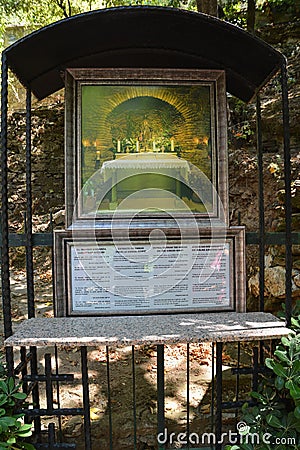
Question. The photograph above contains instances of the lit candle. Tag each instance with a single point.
(137, 146)
(172, 145)
(119, 146)
(97, 162)
(154, 146)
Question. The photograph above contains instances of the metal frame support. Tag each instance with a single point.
(288, 203)
(6, 301)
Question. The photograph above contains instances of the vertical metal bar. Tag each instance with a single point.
(49, 391)
(262, 239)
(6, 301)
(109, 399)
(23, 357)
(24, 369)
(188, 394)
(288, 203)
(29, 255)
(212, 406)
(57, 390)
(255, 369)
(134, 400)
(218, 432)
(261, 205)
(28, 224)
(53, 268)
(237, 386)
(86, 399)
(160, 389)
(35, 391)
(51, 436)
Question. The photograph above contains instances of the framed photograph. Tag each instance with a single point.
(144, 143)
(96, 275)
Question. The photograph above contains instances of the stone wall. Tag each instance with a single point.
(47, 165)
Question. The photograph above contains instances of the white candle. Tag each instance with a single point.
(119, 146)
(172, 145)
(137, 146)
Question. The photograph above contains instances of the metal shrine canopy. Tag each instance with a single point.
(143, 37)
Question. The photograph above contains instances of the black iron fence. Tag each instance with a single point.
(43, 381)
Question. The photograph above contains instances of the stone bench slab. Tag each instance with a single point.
(148, 329)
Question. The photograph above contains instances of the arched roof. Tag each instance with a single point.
(143, 37)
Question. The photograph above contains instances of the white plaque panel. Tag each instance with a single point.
(105, 278)
(102, 277)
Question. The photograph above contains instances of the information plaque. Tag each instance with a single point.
(101, 277)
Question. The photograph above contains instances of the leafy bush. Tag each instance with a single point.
(12, 429)
(274, 421)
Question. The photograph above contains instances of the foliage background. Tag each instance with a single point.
(33, 14)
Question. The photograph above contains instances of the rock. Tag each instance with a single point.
(253, 285)
(296, 280)
(274, 282)
(74, 427)
(278, 261)
(273, 305)
(268, 260)
(59, 217)
(296, 221)
(296, 249)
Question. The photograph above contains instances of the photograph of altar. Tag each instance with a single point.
(146, 147)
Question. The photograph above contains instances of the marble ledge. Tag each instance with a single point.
(148, 329)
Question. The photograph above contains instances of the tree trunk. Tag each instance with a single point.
(208, 7)
(251, 16)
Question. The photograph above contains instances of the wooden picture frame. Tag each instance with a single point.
(97, 274)
(99, 103)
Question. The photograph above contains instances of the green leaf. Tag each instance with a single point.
(23, 434)
(282, 355)
(295, 392)
(246, 447)
(297, 412)
(270, 363)
(7, 421)
(19, 395)
(26, 427)
(27, 446)
(3, 399)
(295, 322)
(3, 446)
(279, 383)
(291, 422)
(11, 384)
(280, 370)
(259, 397)
(295, 368)
(273, 421)
(286, 341)
(293, 348)
(3, 387)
